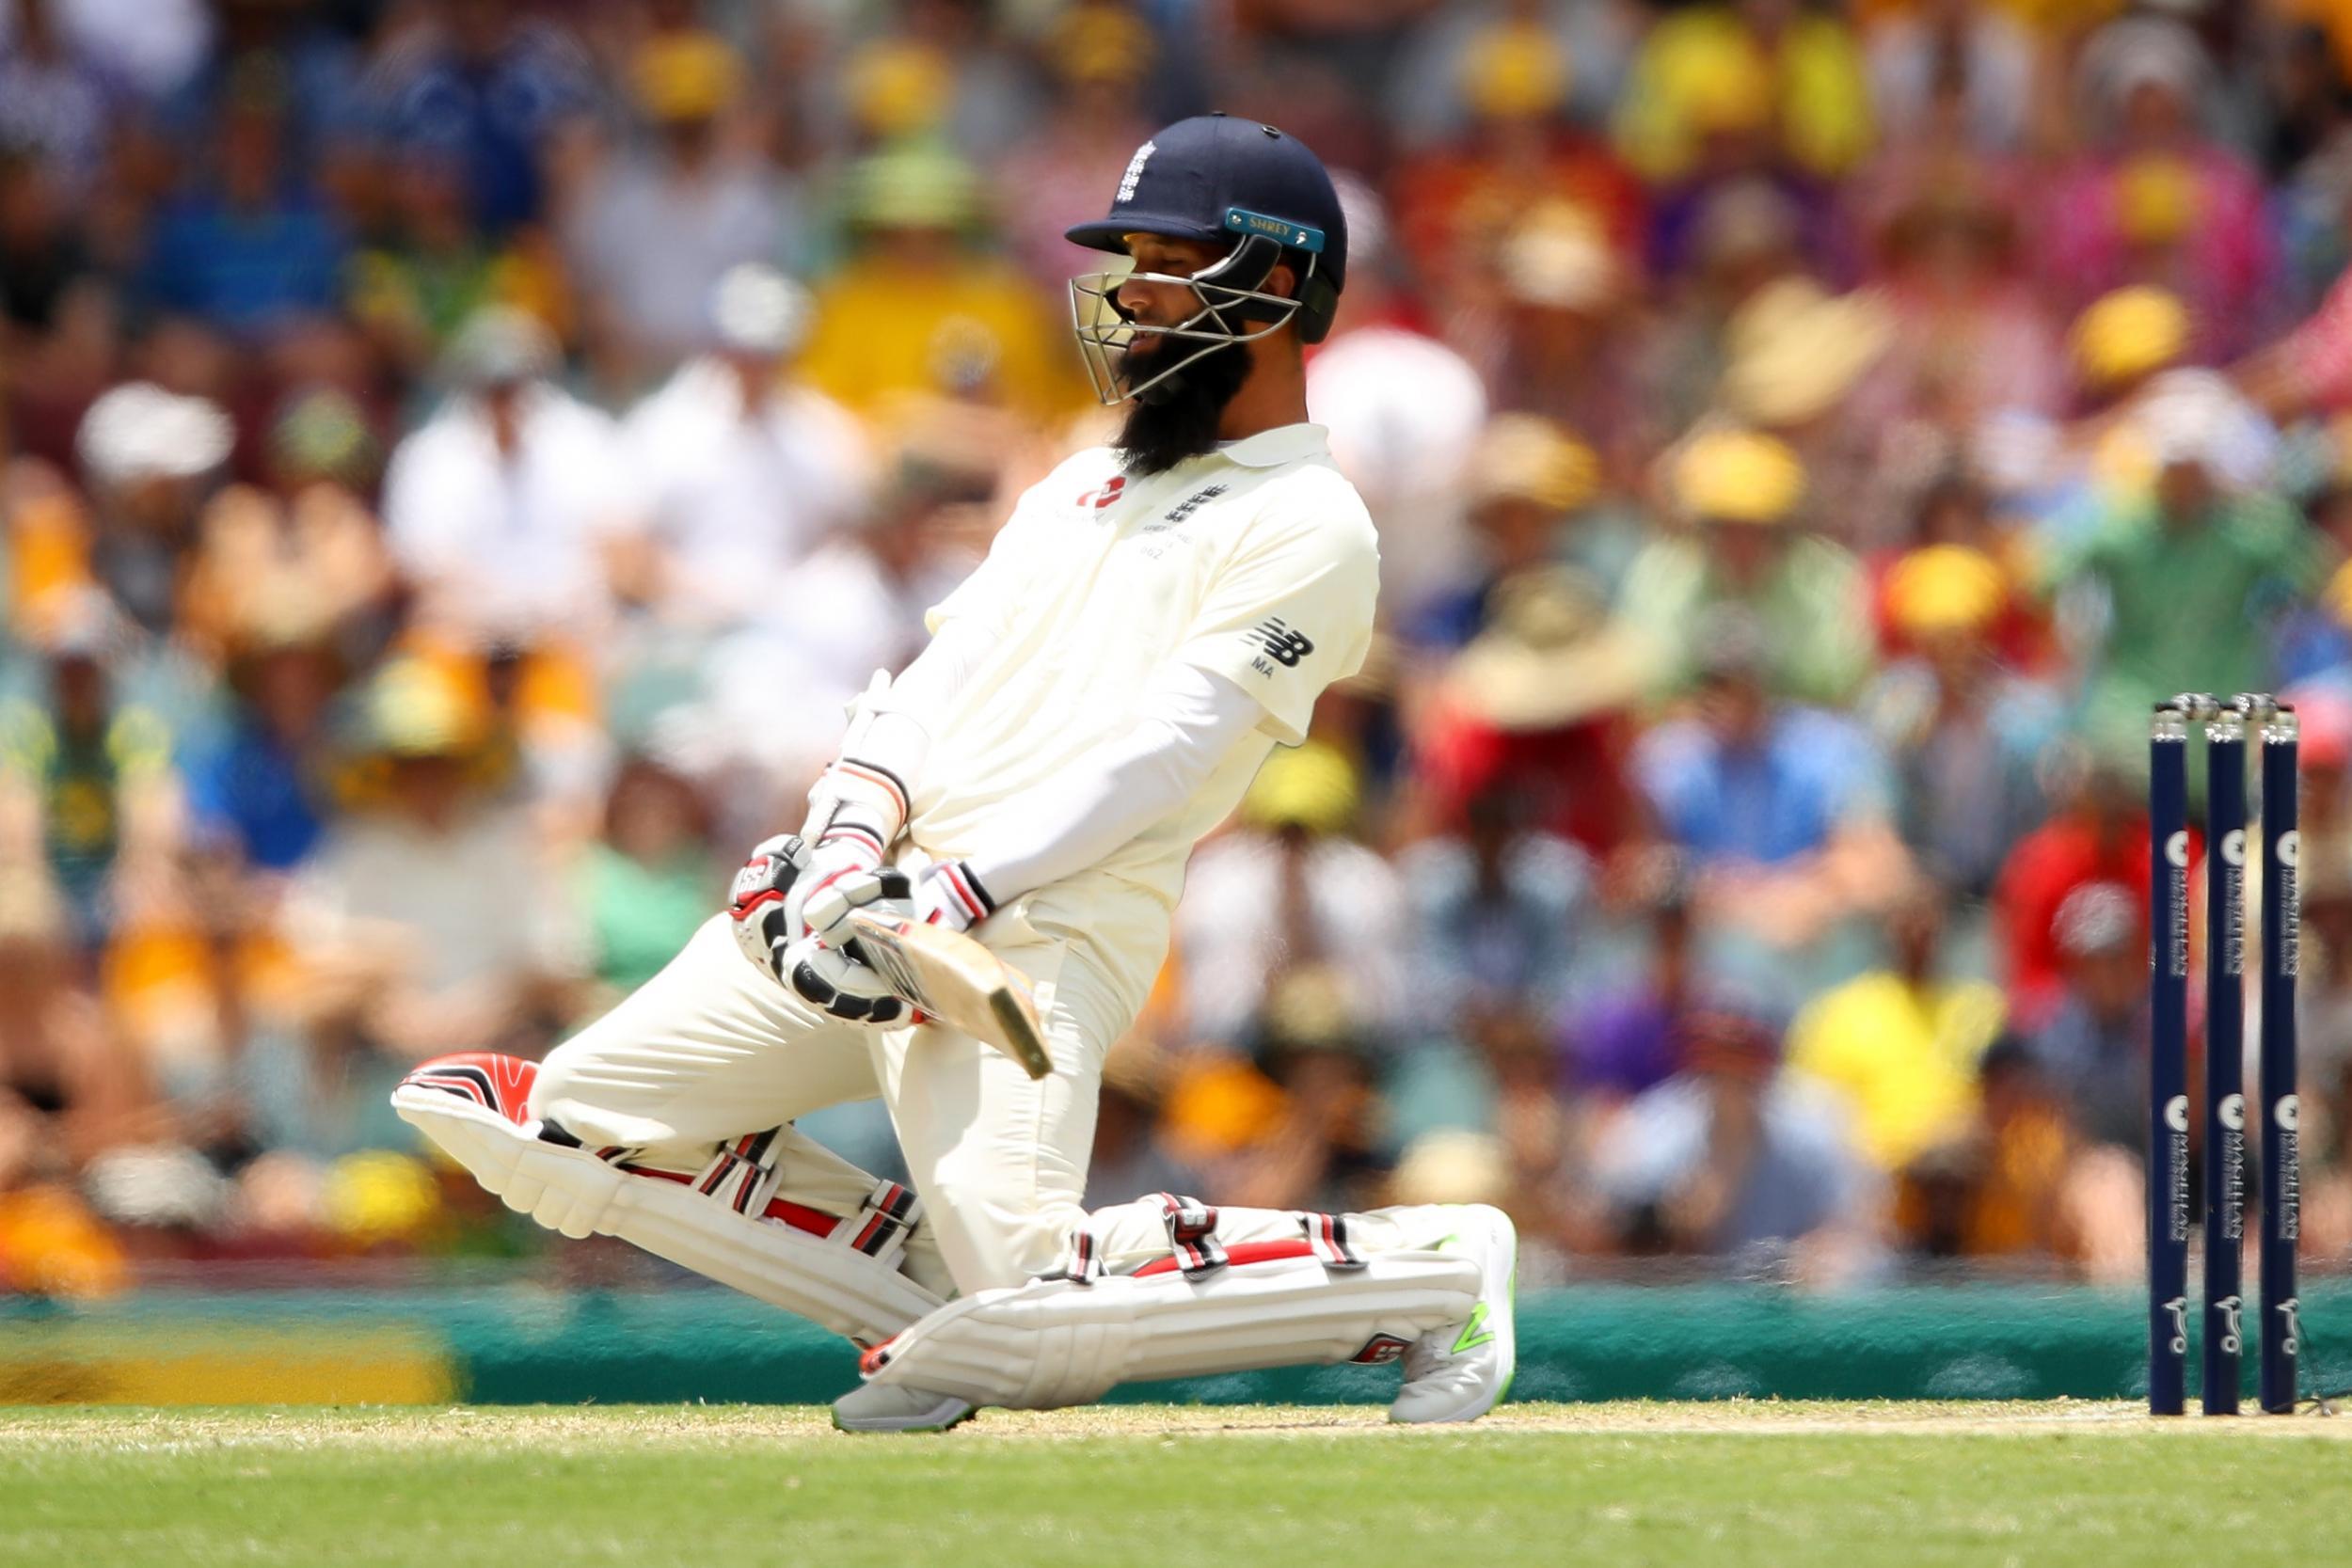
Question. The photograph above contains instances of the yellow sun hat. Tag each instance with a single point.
(1737, 476)
(1526, 456)
(2125, 334)
(685, 76)
(1945, 588)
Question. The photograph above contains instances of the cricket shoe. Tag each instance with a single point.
(1459, 1371)
(892, 1407)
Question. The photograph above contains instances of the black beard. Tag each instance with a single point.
(1178, 419)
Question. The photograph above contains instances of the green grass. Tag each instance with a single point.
(646, 1486)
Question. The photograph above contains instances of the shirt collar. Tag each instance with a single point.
(1271, 449)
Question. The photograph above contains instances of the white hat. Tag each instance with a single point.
(758, 310)
(139, 431)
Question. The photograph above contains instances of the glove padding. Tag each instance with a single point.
(759, 901)
(884, 890)
(850, 848)
(838, 986)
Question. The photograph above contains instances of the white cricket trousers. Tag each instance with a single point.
(712, 1048)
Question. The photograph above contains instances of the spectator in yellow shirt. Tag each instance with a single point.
(1901, 1044)
(1712, 70)
(918, 313)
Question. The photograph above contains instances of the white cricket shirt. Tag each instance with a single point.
(1256, 563)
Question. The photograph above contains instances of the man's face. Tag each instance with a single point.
(1732, 705)
(1179, 418)
(2184, 490)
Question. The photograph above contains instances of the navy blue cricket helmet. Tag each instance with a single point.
(1215, 179)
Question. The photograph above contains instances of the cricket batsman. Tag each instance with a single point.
(1155, 616)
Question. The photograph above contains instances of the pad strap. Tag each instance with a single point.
(1192, 1234)
(1081, 1260)
(1328, 1235)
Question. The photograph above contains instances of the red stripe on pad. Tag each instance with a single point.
(815, 1221)
(1238, 1254)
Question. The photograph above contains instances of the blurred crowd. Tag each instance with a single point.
(457, 457)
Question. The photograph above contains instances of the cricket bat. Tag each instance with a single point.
(957, 981)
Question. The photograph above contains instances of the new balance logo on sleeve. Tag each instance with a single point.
(1285, 646)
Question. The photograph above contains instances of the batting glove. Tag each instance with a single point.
(886, 892)
(757, 902)
(839, 987)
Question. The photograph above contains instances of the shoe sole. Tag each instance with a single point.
(918, 1424)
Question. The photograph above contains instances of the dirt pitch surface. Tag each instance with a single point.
(1853, 1485)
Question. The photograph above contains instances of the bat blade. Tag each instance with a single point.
(958, 982)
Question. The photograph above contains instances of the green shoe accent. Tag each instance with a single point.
(1470, 1338)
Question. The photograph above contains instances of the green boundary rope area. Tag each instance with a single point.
(526, 1345)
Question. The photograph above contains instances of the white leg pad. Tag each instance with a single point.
(1059, 1341)
(571, 1191)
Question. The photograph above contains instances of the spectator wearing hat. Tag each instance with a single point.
(2192, 563)
(305, 544)
(741, 468)
(651, 232)
(1517, 150)
(150, 457)
(1463, 51)
(1555, 340)
(1739, 490)
(501, 506)
(919, 312)
(2097, 831)
(1810, 369)
(1524, 487)
(1536, 706)
(2092, 1042)
(2156, 197)
(404, 922)
(1901, 1044)
(1965, 732)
